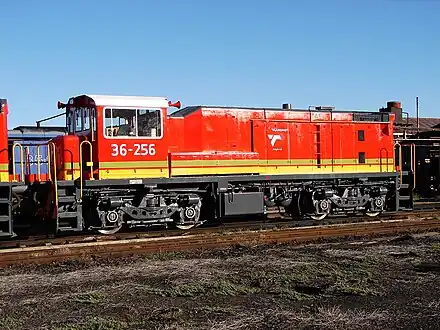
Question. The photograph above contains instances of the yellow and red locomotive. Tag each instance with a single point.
(126, 161)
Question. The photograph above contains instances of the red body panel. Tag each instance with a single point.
(298, 137)
(67, 156)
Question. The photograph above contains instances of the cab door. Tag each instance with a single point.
(86, 119)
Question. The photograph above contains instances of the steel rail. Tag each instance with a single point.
(271, 223)
(119, 248)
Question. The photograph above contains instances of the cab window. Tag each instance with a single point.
(79, 119)
(136, 123)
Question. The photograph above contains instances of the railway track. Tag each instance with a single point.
(123, 246)
(273, 221)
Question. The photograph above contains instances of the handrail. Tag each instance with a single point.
(49, 162)
(39, 163)
(55, 179)
(27, 162)
(400, 159)
(21, 161)
(413, 163)
(380, 159)
(90, 164)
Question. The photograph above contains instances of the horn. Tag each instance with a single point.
(176, 104)
(61, 105)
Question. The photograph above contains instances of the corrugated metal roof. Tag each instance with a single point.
(425, 124)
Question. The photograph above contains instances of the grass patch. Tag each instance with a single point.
(303, 281)
(10, 322)
(95, 323)
(90, 298)
(436, 247)
(159, 319)
(222, 287)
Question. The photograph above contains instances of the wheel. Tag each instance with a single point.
(111, 219)
(189, 217)
(186, 227)
(318, 217)
(109, 231)
(372, 214)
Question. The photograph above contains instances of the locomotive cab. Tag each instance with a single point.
(113, 137)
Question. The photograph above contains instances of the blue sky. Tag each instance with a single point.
(353, 54)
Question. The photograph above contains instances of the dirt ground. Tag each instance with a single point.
(390, 283)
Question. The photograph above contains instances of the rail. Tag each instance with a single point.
(90, 249)
(89, 163)
(15, 145)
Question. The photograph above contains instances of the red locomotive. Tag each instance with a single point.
(125, 161)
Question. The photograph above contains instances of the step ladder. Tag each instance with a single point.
(407, 177)
(405, 191)
(317, 145)
(68, 195)
(6, 225)
(68, 221)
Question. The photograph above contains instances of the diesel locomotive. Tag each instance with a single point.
(125, 161)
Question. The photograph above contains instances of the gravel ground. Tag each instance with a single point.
(389, 283)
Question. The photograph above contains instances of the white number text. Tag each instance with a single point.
(142, 149)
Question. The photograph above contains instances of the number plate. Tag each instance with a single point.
(139, 149)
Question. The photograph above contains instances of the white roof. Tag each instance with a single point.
(130, 101)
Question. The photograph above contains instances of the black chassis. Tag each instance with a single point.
(229, 196)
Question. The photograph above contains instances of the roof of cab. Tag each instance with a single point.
(128, 101)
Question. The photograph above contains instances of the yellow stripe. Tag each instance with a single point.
(138, 164)
(265, 170)
(239, 162)
(70, 165)
(134, 173)
(4, 177)
(159, 169)
(280, 170)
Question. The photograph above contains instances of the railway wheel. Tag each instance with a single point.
(376, 208)
(111, 222)
(189, 216)
(185, 227)
(322, 209)
(109, 231)
(372, 214)
(318, 217)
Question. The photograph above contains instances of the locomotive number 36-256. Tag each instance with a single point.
(142, 149)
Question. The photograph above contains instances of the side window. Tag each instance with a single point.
(361, 135)
(149, 123)
(108, 122)
(133, 123)
(86, 119)
(94, 119)
(120, 122)
(78, 119)
(69, 121)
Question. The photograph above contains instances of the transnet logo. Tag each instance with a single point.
(274, 138)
